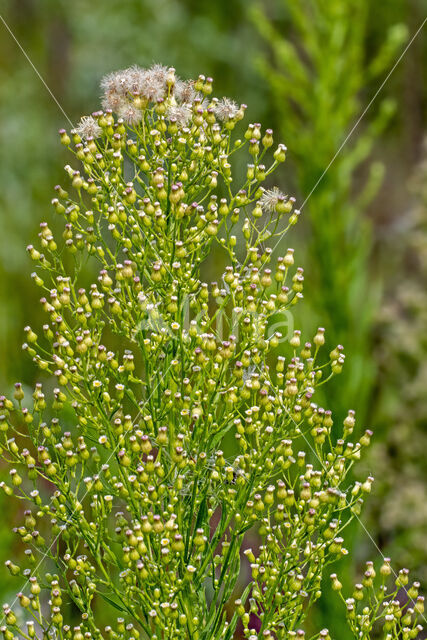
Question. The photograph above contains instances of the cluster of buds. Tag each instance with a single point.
(130, 498)
(397, 609)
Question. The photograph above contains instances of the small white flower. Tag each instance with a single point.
(191, 568)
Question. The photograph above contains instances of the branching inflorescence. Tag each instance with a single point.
(130, 499)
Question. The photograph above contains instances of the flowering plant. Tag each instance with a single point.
(129, 495)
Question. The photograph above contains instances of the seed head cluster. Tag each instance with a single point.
(171, 421)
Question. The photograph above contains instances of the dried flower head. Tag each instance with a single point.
(116, 88)
(271, 198)
(130, 113)
(184, 91)
(226, 109)
(120, 88)
(154, 85)
(88, 127)
(181, 114)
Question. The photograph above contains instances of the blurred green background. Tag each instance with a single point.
(308, 69)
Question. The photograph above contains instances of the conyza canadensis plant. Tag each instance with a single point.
(176, 476)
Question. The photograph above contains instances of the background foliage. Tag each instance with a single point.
(309, 69)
